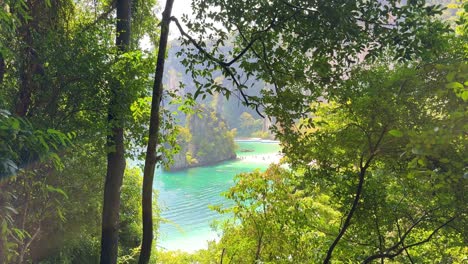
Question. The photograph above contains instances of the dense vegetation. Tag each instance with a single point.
(58, 64)
(368, 99)
(388, 178)
(377, 167)
(204, 140)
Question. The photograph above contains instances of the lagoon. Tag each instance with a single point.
(185, 195)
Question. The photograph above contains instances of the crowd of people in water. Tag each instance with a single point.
(250, 157)
(274, 158)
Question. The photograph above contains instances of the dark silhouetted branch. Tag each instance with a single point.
(397, 250)
(362, 173)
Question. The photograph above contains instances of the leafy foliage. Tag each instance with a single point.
(300, 47)
(376, 151)
(274, 221)
(205, 139)
(395, 131)
(59, 62)
(22, 145)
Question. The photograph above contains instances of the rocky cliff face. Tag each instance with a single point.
(204, 140)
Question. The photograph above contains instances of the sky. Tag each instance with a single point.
(179, 8)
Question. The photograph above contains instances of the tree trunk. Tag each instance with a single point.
(27, 58)
(347, 221)
(151, 154)
(115, 145)
(2, 67)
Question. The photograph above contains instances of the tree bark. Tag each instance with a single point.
(151, 152)
(116, 150)
(349, 216)
(27, 58)
(2, 67)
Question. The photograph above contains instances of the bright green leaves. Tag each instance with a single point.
(406, 128)
(460, 89)
(130, 75)
(395, 133)
(274, 220)
(10, 11)
(21, 144)
(140, 109)
(56, 190)
(454, 85)
(457, 79)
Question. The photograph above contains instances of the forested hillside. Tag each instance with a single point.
(205, 139)
(367, 98)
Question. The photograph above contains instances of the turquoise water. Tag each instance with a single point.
(185, 195)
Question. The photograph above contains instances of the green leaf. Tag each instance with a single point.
(454, 85)
(451, 76)
(15, 124)
(422, 162)
(395, 133)
(56, 190)
(464, 96)
(43, 143)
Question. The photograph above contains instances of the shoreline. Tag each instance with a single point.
(261, 158)
(190, 239)
(232, 158)
(275, 158)
(260, 140)
(189, 244)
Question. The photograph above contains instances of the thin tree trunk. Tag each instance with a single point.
(26, 60)
(2, 67)
(259, 248)
(115, 143)
(362, 174)
(348, 217)
(151, 154)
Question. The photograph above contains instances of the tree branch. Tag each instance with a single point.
(224, 65)
(217, 60)
(300, 7)
(347, 222)
(390, 255)
(195, 43)
(102, 16)
(363, 169)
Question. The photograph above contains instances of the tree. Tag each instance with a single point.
(375, 148)
(20, 141)
(153, 139)
(381, 138)
(376, 173)
(65, 87)
(273, 220)
(115, 145)
(278, 42)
